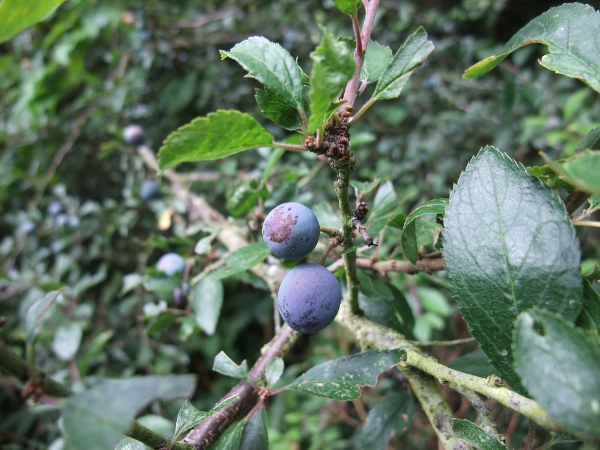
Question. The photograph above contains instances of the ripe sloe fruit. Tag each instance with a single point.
(171, 263)
(291, 231)
(149, 190)
(55, 208)
(309, 298)
(133, 135)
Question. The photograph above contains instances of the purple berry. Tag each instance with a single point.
(309, 298)
(291, 231)
(149, 190)
(179, 297)
(133, 135)
(55, 208)
(171, 263)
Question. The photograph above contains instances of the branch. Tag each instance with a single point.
(18, 367)
(506, 397)
(153, 440)
(429, 266)
(575, 199)
(370, 334)
(209, 430)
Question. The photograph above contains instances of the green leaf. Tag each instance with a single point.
(161, 323)
(333, 66)
(224, 365)
(392, 414)
(580, 171)
(130, 282)
(67, 340)
(341, 378)
(362, 188)
(102, 414)
(409, 235)
(36, 313)
(207, 300)
(188, 416)
(475, 435)
(274, 67)
(509, 245)
(256, 435)
(377, 59)
(559, 365)
(231, 439)
(244, 197)
(566, 30)
(407, 59)
(93, 348)
(346, 6)
(384, 304)
(475, 363)
(410, 247)
(217, 135)
(590, 313)
(131, 444)
(275, 108)
(241, 260)
(274, 371)
(17, 15)
(591, 141)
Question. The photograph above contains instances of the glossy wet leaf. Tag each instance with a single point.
(333, 66)
(37, 312)
(217, 135)
(509, 246)
(559, 365)
(102, 414)
(207, 300)
(570, 32)
(407, 59)
(341, 378)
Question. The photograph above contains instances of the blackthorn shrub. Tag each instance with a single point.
(291, 231)
(309, 298)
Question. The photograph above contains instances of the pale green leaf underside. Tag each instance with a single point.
(17, 15)
(273, 66)
(340, 379)
(207, 300)
(102, 414)
(407, 59)
(333, 66)
(572, 34)
(509, 246)
(560, 367)
(217, 135)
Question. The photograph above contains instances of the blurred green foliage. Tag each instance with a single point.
(71, 83)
